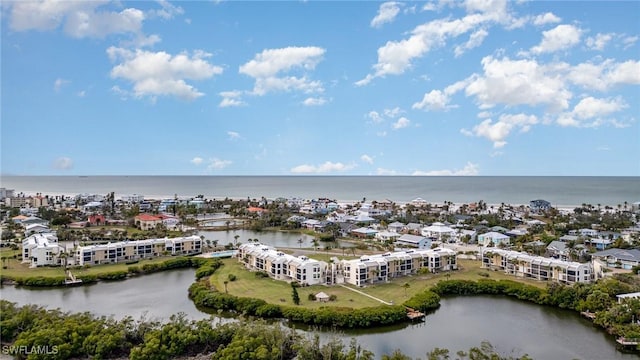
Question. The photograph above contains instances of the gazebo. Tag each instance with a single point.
(322, 297)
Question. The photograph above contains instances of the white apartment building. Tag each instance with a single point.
(281, 266)
(135, 250)
(370, 269)
(537, 267)
(41, 249)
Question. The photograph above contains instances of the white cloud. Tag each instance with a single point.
(433, 100)
(547, 18)
(82, 19)
(559, 38)
(599, 41)
(167, 11)
(367, 159)
(59, 83)
(498, 131)
(629, 41)
(403, 122)
(395, 57)
(375, 117)
(81, 93)
(393, 113)
(385, 172)
(322, 168)
(63, 163)
(470, 169)
(605, 75)
(592, 112)
(519, 82)
(268, 66)
(314, 101)
(231, 99)
(475, 40)
(218, 164)
(386, 14)
(233, 135)
(196, 160)
(160, 73)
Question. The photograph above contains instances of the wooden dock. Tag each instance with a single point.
(589, 315)
(413, 314)
(628, 342)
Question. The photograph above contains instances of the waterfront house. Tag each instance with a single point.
(413, 228)
(364, 233)
(537, 267)
(147, 222)
(493, 239)
(415, 241)
(41, 250)
(539, 205)
(387, 236)
(123, 251)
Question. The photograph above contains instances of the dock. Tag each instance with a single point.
(628, 342)
(589, 315)
(71, 279)
(413, 314)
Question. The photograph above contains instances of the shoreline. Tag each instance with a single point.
(157, 197)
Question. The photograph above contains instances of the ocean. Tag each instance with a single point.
(560, 191)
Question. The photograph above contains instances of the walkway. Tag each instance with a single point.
(365, 294)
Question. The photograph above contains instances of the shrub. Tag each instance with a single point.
(333, 297)
(232, 277)
(312, 297)
(262, 274)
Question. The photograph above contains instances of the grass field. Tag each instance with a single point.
(279, 292)
(16, 269)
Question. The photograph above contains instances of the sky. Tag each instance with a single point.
(463, 88)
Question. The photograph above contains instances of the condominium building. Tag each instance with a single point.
(281, 266)
(135, 250)
(366, 270)
(41, 249)
(383, 267)
(537, 267)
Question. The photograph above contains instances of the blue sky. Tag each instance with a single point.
(320, 88)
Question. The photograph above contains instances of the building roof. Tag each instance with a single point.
(621, 254)
(414, 239)
(147, 217)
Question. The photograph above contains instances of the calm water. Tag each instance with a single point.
(276, 239)
(560, 191)
(460, 323)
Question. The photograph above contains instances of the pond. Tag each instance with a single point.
(512, 326)
(277, 239)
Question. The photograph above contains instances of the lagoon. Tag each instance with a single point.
(512, 326)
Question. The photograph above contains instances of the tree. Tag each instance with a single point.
(235, 240)
(294, 294)
(406, 286)
(225, 286)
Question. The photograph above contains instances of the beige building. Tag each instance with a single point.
(371, 269)
(135, 250)
(281, 266)
(359, 272)
(537, 267)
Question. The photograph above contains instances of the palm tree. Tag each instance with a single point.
(300, 242)
(406, 286)
(235, 240)
(225, 286)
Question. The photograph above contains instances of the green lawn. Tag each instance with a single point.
(274, 291)
(17, 269)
